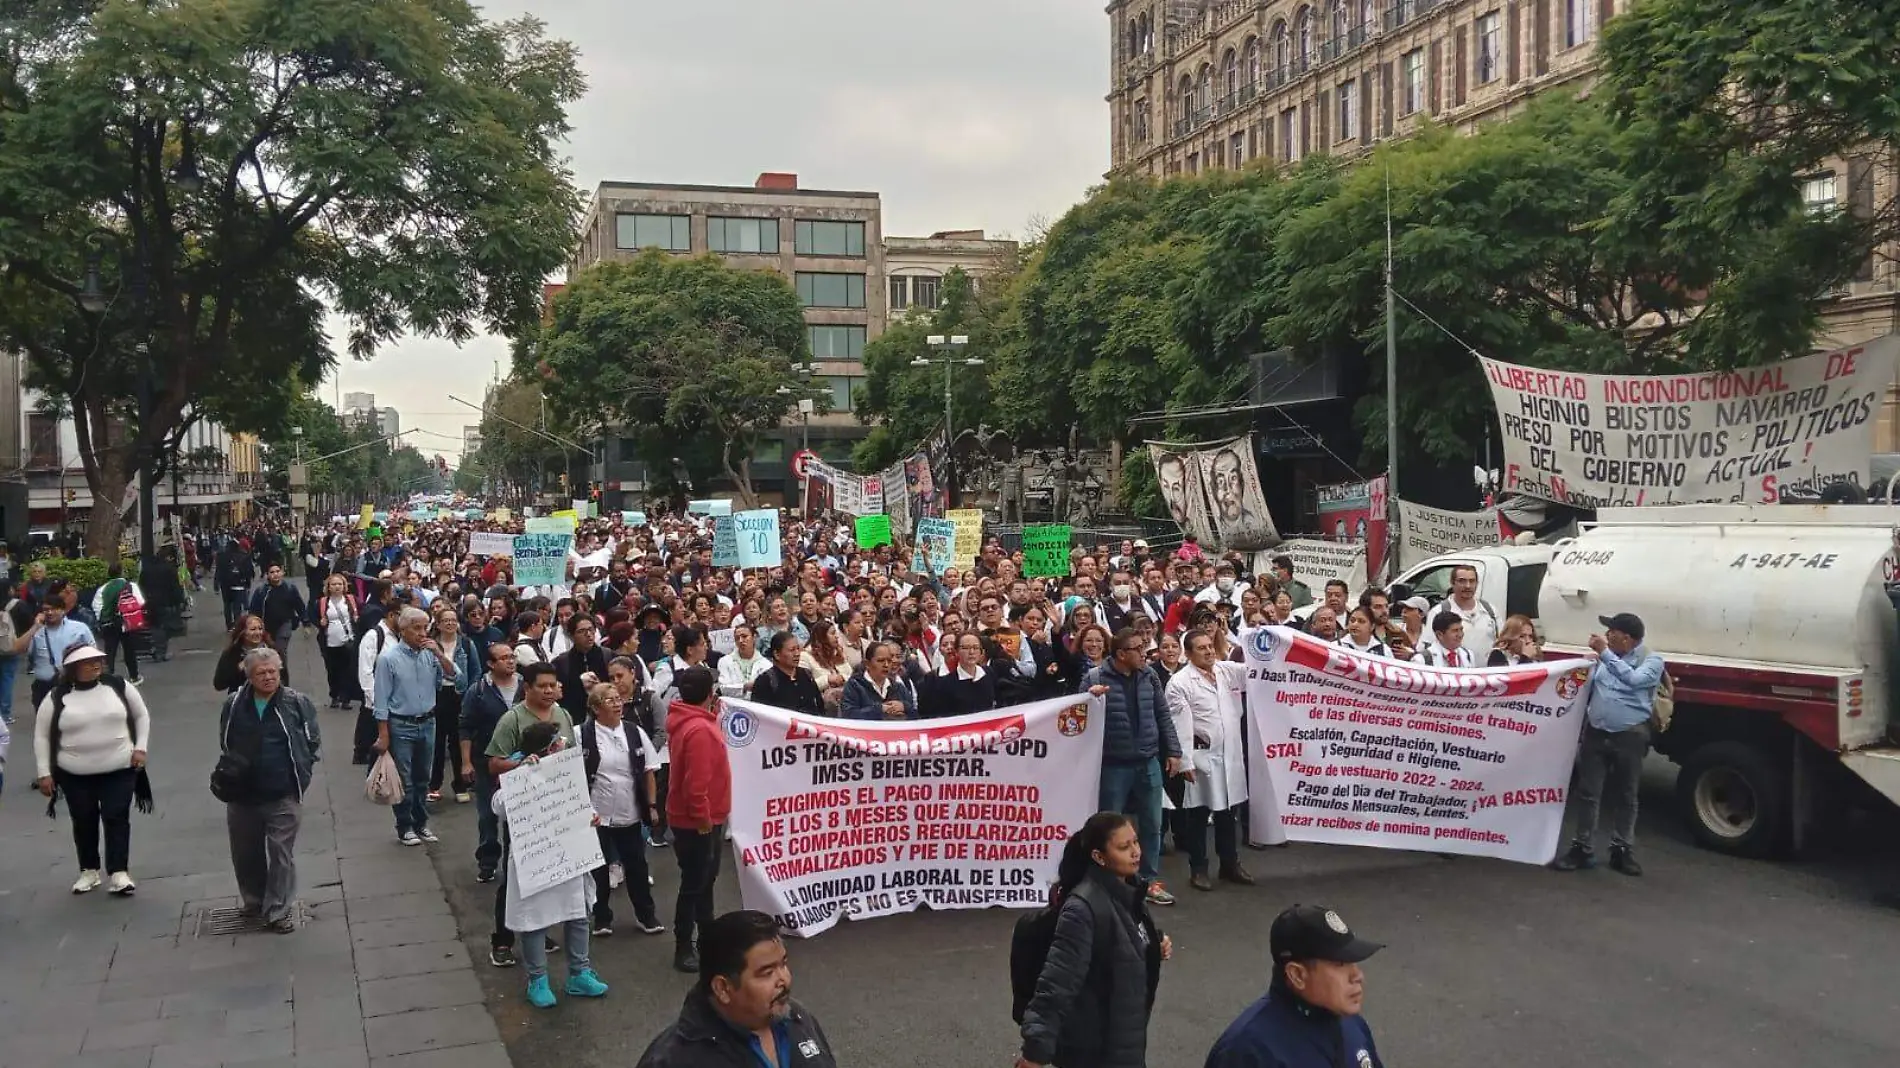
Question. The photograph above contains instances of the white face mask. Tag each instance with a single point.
(1225, 584)
(1123, 593)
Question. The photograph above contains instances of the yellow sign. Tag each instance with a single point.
(569, 514)
(502, 515)
(366, 517)
(969, 523)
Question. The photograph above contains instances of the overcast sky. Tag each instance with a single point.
(970, 114)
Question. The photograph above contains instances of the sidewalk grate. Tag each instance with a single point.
(228, 920)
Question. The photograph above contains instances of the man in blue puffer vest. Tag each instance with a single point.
(1139, 747)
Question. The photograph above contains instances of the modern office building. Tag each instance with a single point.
(1197, 84)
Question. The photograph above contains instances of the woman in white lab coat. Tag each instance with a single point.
(568, 904)
(1205, 699)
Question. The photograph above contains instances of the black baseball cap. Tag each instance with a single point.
(1313, 932)
(1624, 622)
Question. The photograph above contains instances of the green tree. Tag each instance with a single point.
(906, 401)
(512, 451)
(186, 183)
(690, 347)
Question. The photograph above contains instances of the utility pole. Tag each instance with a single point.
(948, 350)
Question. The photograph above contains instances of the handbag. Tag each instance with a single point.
(231, 779)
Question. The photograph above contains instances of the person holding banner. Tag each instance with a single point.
(1359, 637)
(878, 692)
(1139, 749)
(786, 684)
(1615, 740)
(1095, 984)
(1205, 700)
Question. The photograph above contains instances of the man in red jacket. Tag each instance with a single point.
(697, 804)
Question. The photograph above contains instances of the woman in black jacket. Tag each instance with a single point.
(583, 657)
(965, 685)
(785, 684)
(1097, 985)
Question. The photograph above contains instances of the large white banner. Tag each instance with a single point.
(837, 817)
(1746, 436)
(1178, 472)
(1317, 562)
(1426, 532)
(1233, 490)
(1368, 751)
(490, 543)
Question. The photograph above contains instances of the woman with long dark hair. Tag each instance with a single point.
(247, 633)
(1097, 983)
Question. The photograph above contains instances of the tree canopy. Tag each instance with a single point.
(184, 186)
(687, 356)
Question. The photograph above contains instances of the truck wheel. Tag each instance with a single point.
(1735, 799)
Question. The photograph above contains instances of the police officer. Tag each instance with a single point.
(1309, 1017)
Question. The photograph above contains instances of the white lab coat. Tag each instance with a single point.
(1212, 709)
(572, 899)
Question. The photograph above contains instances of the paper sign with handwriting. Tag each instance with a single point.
(551, 835)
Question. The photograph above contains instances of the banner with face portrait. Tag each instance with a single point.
(1233, 489)
(1178, 471)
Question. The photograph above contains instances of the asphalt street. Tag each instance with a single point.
(1704, 961)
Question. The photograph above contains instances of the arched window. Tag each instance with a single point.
(1250, 63)
(1303, 34)
(1204, 93)
(1282, 49)
(1336, 20)
(1186, 97)
(1147, 33)
(1229, 74)
(1365, 19)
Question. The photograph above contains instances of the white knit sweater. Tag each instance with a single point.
(92, 734)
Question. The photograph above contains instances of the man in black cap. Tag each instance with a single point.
(1615, 740)
(1309, 1017)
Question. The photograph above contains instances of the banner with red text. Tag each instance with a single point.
(1358, 750)
(837, 817)
(1752, 436)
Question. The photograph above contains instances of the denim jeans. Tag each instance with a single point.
(534, 948)
(1136, 790)
(1618, 758)
(9, 669)
(487, 824)
(412, 746)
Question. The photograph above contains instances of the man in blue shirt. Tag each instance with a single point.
(56, 635)
(1615, 740)
(1309, 1017)
(408, 674)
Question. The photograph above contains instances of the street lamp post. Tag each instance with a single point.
(805, 405)
(949, 352)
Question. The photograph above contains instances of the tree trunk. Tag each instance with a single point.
(741, 475)
(108, 487)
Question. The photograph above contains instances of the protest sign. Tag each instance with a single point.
(366, 517)
(1354, 513)
(969, 523)
(1317, 562)
(1426, 532)
(725, 542)
(937, 537)
(541, 559)
(578, 507)
(757, 534)
(873, 530)
(722, 641)
(502, 515)
(834, 818)
(571, 515)
(1748, 437)
(600, 558)
(1046, 550)
(488, 543)
(548, 524)
(1359, 750)
(633, 519)
(551, 836)
(708, 507)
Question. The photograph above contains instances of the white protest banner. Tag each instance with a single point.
(725, 542)
(938, 537)
(850, 495)
(722, 641)
(633, 519)
(1741, 437)
(550, 822)
(488, 543)
(896, 496)
(541, 559)
(1317, 562)
(711, 507)
(1430, 531)
(548, 524)
(600, 558)
(757, 534)
(1358, 750)
(834, 818)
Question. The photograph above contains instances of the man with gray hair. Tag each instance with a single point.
(268, 745)
(408, 674)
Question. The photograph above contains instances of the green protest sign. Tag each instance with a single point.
(1046, 550)
(873, 530)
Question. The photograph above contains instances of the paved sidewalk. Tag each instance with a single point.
(378, 976)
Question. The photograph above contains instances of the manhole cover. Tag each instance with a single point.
(228, 920)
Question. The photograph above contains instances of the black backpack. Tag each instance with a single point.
(1029, 951)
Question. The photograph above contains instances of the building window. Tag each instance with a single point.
(1141, 121)
(1819, 194)
(1229, 79)
(1348, 110)
(1579, 22)
(629, 449)
(1303, 36)
(1237, 148)
(814, 238)
(900, 294)
(830, 290)
(837, 342)
(1412, 81)
(1287, 147)
(1194, 163)
(671, 232)
(42, 440)
(923, 293)
(1490, 30)
(1251, 63)
(1282, 51)
(769, 451)
(841, 391)
(742, 235)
